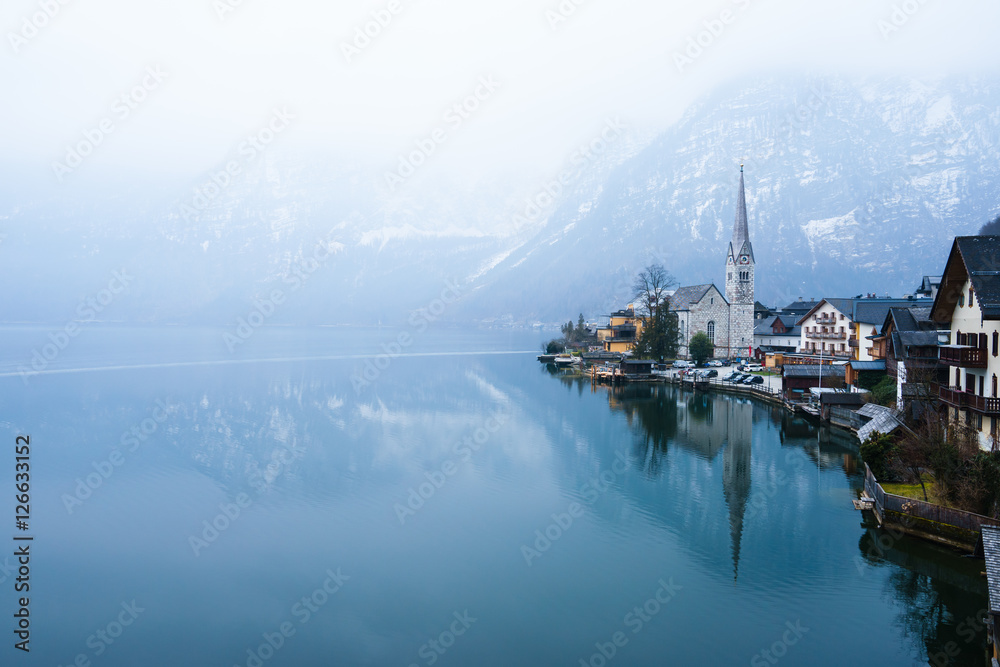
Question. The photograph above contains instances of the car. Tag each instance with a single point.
(756, 379)
(716, 364)
(747, 379)
(681, 364)
(735, 376)
(711, 373)
(755, 368)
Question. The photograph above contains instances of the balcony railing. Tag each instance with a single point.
(964, 399)
(963, 356)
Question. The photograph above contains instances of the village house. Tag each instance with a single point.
(777, 334)
(867, 318)
(968, 305)
(907, 342)
(825, 329)
(623, 330)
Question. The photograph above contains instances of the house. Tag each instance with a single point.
(863, 375)
(825, 328)
(777, 334)
(991, 550)
(867, 318)
(701, 308)
(928, 287)
(622, 331)
(968, 305)
(798, 379)
(799, 308)
(908, 342)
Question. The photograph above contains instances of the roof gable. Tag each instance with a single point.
(976, 259)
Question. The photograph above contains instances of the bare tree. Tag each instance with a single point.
(651, 288)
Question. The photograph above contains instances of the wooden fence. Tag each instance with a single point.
(918, 509)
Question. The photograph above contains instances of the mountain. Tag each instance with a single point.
(853, 186)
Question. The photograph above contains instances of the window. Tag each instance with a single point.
(711, 331)
(972, 298)
(994, 385)
(996, 343)
(981, 379)
(961, 300)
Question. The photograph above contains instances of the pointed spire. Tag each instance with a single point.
(741, 233)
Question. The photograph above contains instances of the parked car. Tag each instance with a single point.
(681, 364)
(755, 368)
(756, 379)
(711, 373)
(716, 364)
(735, 376)
(747, 378)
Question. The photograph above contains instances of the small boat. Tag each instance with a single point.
(547, 358)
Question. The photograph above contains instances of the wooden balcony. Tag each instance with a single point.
(967, 400)
(962, 356)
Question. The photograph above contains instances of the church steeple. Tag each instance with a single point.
(740, 268)
(740, 245)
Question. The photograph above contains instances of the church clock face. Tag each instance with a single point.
(744, 260)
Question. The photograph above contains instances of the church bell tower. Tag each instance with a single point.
(739, 281)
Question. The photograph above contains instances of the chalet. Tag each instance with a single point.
(825, 329)
(907, 342)
(968, 305)
(867, 318)
(928, 287)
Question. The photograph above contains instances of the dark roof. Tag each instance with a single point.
(867, 365)
(813, 370)
(841, 398)
(883, 420)
(800, 306)
(685, 297)
(991, 549)
(975, 258)
(918, 338)
(874, 311)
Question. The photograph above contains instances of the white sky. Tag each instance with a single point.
(609, 58)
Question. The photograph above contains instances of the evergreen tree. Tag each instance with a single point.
(701, 347)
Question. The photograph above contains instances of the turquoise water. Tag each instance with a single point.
(336, 497)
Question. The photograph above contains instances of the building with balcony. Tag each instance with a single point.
(623, 329)
(777, 334)
(826, 329)
(968, 306)
(868, 316)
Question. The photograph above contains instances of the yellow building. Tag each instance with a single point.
(622, 331)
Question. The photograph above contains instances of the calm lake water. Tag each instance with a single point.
(453, 504)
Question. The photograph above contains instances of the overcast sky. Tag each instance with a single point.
(559, 73)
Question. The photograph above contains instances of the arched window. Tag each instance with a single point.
(711, 331)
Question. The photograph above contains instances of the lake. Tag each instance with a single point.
(345, 496)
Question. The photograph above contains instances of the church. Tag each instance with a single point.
(726, 319)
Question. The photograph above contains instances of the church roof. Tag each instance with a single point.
(685, 297)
